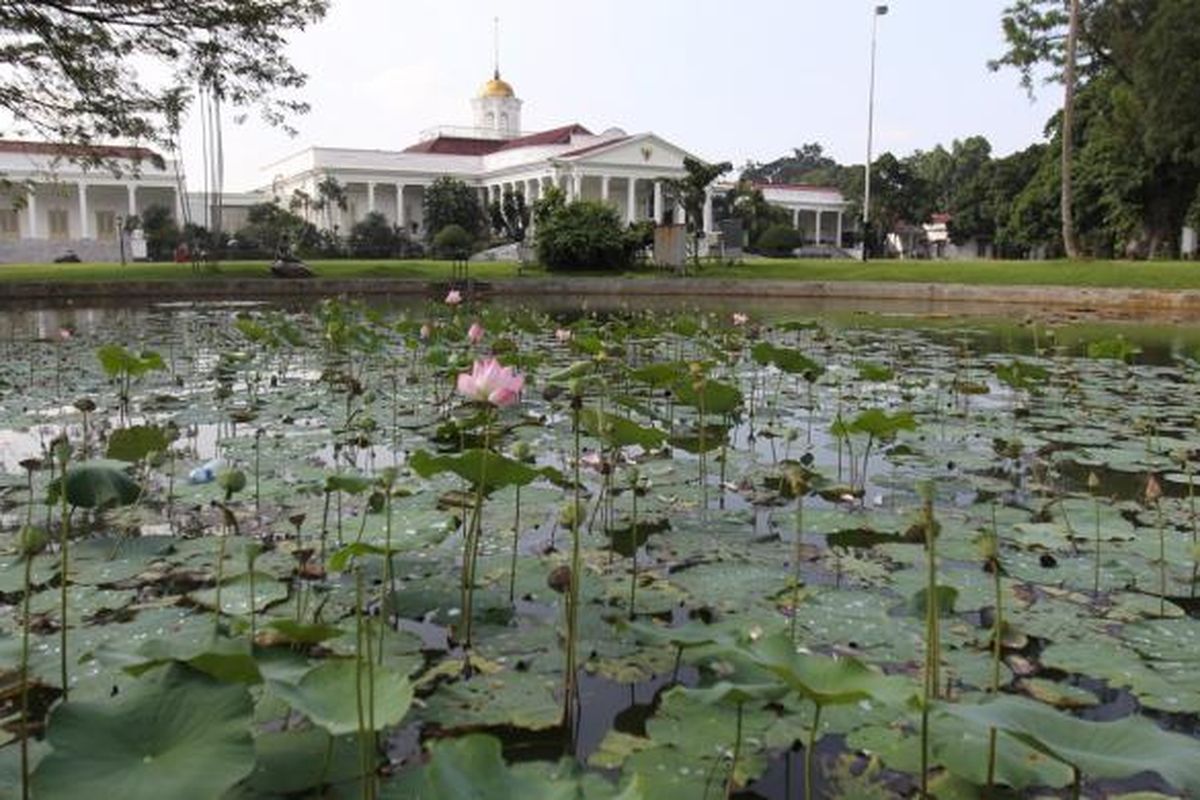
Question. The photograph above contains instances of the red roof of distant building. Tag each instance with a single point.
(560, 135)
(64, 150)
(456, 146)
(597, 145)
(806, 187)
(466, 146)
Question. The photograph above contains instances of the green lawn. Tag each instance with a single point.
(1130, 274)
(424, 270)
(1148, 275)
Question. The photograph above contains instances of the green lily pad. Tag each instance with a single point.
(180, 735)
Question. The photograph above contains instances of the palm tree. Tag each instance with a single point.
(330, 194)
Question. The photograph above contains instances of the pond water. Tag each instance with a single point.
(739, 484)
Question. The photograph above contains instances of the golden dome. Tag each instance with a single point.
(497, 88)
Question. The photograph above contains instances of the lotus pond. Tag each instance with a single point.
(455, 550)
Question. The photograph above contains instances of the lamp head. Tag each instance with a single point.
(881, 11)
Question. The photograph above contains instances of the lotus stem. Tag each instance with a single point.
(512, 570)
(1096, 574)
(220, 580)
(810, 752)
(796, 555)
(64, 579)
(737, 753)
(1162, 560)
(471, 544)
(25, 727)
(634, 579)
(569, 687)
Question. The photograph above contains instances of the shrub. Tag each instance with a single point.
(778, 241)
(584, 235)
(453, 242)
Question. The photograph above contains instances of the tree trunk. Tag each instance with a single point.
(1068, 136)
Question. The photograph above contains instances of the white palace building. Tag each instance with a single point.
(71, 209)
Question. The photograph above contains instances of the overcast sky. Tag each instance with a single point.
(726, 80)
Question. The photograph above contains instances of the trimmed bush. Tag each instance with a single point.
(778, 241)
(584, 235)
(453, 242)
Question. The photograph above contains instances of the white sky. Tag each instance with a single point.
(726, 80)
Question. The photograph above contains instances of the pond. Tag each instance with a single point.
(652, 551)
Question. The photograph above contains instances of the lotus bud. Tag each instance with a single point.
(31, 541)
(569, 515)
(989, 546)
(1093, 482)
(634, 476)
(1153, 490)
(231, 481)
(522, 451)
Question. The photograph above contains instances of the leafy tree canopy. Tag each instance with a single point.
(70, 72)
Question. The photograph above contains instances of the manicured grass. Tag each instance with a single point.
(422, 270)
(1140, 275)
(1125, 274)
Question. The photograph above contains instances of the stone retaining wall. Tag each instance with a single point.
(568, 288)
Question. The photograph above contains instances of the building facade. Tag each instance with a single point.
(52, 206)
(56, 207)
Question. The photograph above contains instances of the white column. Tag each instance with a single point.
(796, 218)
(658, 203)
(132, 200)
(31, 207)
(179, 215)
(370, 197)
(577, 186)
(83, 211)
(708, 211)
(817, 228)
(630, 201)
(604, 181)
(839, 229)
(401, 215)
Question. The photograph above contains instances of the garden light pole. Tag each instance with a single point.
(866, 210)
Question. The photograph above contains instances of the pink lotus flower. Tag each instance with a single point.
(65, 333)
(563, 335)
(453, 297)
(426, 331)
(488, 382)
(475, 333)
(740, 319)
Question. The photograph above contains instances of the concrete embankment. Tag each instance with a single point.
(564, 289)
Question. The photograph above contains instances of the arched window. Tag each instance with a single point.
(503, 121)
(490, 119)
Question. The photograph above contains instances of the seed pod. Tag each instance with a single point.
(560, 579)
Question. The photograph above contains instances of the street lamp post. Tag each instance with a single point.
(866, 210)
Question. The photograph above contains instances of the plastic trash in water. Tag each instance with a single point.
(206, 473)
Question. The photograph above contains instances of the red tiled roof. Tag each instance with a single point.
(466, 146)
(456, 146)
(64, 150)
(560, 135)
(596, 146)
(806, 187)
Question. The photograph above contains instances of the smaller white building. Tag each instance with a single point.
(818, 212)
(50, 205)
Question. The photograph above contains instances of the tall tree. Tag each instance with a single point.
(1137, 63)
(451, 202)
(1070, 81)
(75, 70)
